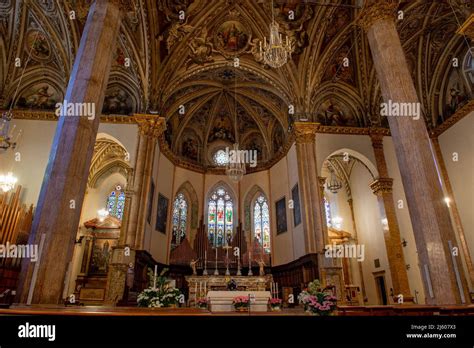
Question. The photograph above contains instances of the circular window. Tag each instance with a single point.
(221, 158)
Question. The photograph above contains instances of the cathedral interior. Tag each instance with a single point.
(257, 146)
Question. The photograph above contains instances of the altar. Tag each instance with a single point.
(221, 301)
(202, 286)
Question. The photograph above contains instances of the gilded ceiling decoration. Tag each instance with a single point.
(196, 63)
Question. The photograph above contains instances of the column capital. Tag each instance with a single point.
(375, 10)
(322, 181)
(151, 125)
(305, 132)
(382, 186)
(467, 28)
(377, 140)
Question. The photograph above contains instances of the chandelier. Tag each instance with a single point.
(235, 168)
(276, 51)
(7, 135)
(334, 185)
(7, 182)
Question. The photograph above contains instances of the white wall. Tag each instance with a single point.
(404, 222)
(459, 140)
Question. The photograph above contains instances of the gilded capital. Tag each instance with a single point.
(381, 186)
(150, 125)
(377, 140)
(375, 10)
(322, 181)
(305, 132)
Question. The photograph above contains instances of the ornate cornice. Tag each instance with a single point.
(352, 130)
(467, 28)
(151, 125)
(51, 116)
(305, 132)
(375, 10)
(382, 186)
(459, 115)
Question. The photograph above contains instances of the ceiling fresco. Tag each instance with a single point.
(196, 63)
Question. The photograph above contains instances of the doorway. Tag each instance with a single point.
(381, 289)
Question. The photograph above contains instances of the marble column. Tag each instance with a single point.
(59, 205)
(454, 211)
(382, 188)
(150, 129)
(442, 273)
(313, 219)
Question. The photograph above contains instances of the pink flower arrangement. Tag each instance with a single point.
(202, 303)
(240, 302)
(275, 304)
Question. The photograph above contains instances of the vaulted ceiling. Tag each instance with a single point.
(214, 90)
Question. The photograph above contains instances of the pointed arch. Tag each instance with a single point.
(191, 196)
(221, 211)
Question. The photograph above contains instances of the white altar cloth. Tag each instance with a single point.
(221, 301)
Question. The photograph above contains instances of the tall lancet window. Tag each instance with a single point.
(220, 219)
(180, 214)
(327, 209)
(261, 223)
(116, 202)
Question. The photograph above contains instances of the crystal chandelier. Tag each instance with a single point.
(235, 168)
(7, 135)
(7, 182)
(276, 51)
(334, 185)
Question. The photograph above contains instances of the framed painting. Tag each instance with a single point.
(295, 196)
(161, 213)
(281, 216)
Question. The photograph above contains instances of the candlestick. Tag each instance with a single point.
(205, 263)
(216, 272)
(277, 293)
(227, 272)
(239, 272)
(154, 277)
(196, 291)
(250, 264)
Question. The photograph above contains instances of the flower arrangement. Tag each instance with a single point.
(317, 301)
(159, 293)
(241, 303)
(201, 303)
(275, 304)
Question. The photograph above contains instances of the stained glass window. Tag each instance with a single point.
(261, 221)
(220, 220)
(116, 202)
(221, 158)
(327, 209)
(180, 214)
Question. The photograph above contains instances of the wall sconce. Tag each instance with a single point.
(404, 242)
(385, 224)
